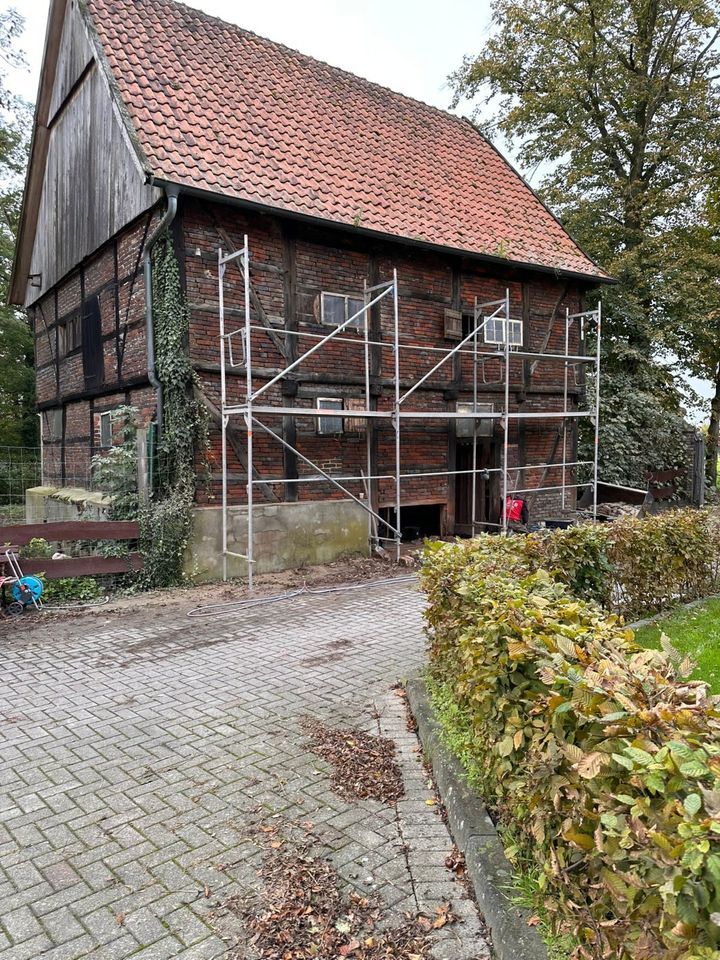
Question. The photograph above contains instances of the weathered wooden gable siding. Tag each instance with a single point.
(93, 183)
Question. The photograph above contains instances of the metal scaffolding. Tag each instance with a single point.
(494, 312)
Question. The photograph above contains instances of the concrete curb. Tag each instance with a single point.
(475, 835)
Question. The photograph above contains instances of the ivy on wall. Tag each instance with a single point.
(166, 523)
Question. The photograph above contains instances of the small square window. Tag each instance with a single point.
(329, 425)
(337, 308)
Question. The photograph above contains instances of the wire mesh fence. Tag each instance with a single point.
(20, 469)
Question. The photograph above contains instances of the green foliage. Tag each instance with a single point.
(633, 566)
(115, 471)
(619, 104)
(603, 763)
(525, 889)
(166, 524)
(18, 423)
(165, 529)
(38, 547)
(71, 590)
(661, 561)
(642, 426)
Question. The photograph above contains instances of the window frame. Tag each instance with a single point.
(322, 422)
(514, 324)
(68, 345)
(347, 297)
(106, 417)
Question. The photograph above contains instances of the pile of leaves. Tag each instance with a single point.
(303, 913)
(364, 766)
(600, 758)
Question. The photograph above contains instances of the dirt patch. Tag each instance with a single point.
(303, 913)
(364, 766)
(181, 599)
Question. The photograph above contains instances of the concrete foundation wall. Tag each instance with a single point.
(286, 536)
(64, 503)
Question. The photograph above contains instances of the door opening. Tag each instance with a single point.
(487, 500)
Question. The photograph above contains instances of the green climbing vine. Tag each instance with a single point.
(165, 524)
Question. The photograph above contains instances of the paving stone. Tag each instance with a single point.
(147, 746)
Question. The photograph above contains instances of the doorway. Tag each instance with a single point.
(487, 506)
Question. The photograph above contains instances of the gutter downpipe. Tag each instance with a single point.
(172, 193)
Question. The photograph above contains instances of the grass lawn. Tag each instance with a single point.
(694, 632)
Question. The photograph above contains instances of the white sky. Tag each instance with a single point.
(408, 45)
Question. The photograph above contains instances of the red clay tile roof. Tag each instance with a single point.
(220, 109)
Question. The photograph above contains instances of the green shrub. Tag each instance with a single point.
(38, 547)
(605, 763)
(70, 590)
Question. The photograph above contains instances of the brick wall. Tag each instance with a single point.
(291, 265)
(70, 402)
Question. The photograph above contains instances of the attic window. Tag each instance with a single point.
(336, 308)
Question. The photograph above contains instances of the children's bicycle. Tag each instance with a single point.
(25, 591)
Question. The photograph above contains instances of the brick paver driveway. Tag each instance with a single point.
(138, 749)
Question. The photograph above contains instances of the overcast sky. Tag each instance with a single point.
(408, 45)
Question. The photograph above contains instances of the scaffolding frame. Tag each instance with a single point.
(484, 313)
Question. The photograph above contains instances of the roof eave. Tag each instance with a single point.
(590, 279)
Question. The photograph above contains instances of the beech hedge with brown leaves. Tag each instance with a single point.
(601, 757)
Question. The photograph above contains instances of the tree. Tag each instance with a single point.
(17, 380)
(692, 275)
(618, 100)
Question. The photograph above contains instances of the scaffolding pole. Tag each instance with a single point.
(396, 324)
(496, 310)
(506, 418)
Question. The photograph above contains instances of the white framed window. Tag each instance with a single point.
(494, 331)
(336, 308)
(328, 426)
(106, 430)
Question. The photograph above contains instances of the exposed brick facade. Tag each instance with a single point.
(291, 264)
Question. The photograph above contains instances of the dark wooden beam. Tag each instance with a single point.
(66, 530)
(82, 566)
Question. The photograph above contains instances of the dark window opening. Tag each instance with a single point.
(417, 520)
(92, 346)
(70, 333)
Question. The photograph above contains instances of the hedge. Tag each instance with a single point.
(600, 758)
(633, 566)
